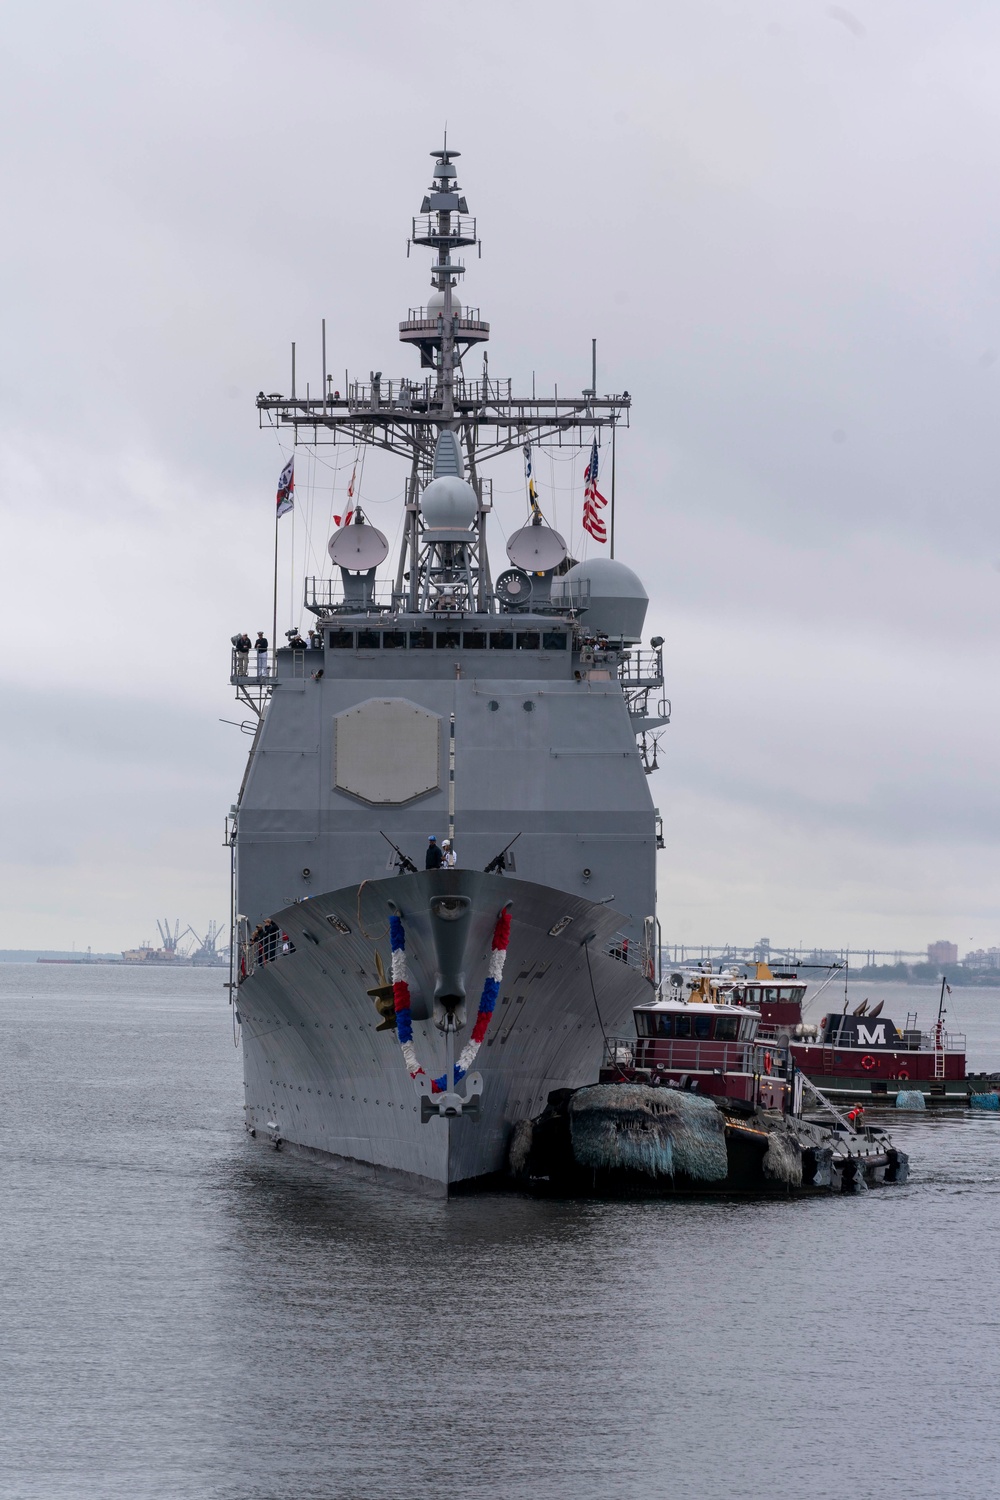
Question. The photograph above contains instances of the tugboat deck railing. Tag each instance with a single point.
(672, 1055)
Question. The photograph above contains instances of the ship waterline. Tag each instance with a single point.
(321, 1077)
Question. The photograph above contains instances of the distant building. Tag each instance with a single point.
(942, 953)
(983, 958)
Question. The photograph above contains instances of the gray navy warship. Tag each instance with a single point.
(396, 1019)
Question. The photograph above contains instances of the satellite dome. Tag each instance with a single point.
(449, 504)
(609, 595)
(435, 304)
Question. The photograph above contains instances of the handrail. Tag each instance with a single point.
(244, 666)
(642, 667)
(842, 1120)
(432, 317)
(690, 1054)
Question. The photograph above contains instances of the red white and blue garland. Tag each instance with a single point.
(487, 1001)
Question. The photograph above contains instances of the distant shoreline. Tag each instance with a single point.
(105, 960)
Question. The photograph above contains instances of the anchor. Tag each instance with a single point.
(453, 914)
(449, 1104)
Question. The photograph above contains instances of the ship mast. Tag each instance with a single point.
(411, 418)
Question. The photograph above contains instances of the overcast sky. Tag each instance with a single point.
(780, 220)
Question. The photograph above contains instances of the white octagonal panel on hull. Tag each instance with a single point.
(387, 750)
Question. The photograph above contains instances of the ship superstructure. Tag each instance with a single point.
(498, 710)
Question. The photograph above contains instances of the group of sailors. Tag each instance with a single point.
(243, 645)
(440, 856)
(267, 940)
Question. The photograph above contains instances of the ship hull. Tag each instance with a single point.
(322, 1080)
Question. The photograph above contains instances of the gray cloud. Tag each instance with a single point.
(776, 226)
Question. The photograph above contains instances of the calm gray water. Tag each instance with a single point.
(188, 1315)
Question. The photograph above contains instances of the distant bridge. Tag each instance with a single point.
(799, 954)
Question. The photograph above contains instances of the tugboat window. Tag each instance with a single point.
(666, 1027)
(554, 640)
(703, 1027)
(474, 640)
(726, 1028)
(682, 1026)
(369, 640)
(394, 640)
(502, 640)
(342, 640)
(421, 640)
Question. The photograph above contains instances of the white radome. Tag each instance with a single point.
(435, 305)
(449, 504)
(610, 596)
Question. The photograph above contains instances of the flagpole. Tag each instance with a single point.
(613, 425)
(274, 612)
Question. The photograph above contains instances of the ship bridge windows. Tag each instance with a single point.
(701, 1026)
(447, 640)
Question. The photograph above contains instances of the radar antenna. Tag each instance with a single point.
(447, 425)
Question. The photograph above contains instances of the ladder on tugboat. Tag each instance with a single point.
(938, 1054)
(939, 1034)
(827, 1103)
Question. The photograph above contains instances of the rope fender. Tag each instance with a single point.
(487, 1001)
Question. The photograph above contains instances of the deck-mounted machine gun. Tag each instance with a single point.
(404, 864)
(500, 862)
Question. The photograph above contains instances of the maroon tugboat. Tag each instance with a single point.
(697, 1102)
(860, 1056)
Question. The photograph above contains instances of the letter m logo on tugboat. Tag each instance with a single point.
(873, 1038)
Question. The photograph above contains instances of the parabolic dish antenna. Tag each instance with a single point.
(536, 549)
(513, 588)
(358, 548)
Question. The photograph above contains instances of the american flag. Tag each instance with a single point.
(286, 487)
(592, 498)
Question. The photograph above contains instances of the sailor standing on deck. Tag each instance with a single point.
(434, 857)
(448, 856)
(260, 646)
(241, 645)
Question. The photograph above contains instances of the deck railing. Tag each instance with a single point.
(673, 1055)
(254, 953)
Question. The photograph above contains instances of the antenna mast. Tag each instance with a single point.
(484, 418)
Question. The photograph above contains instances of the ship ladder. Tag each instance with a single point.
(938, 1056)
(828, 1104)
